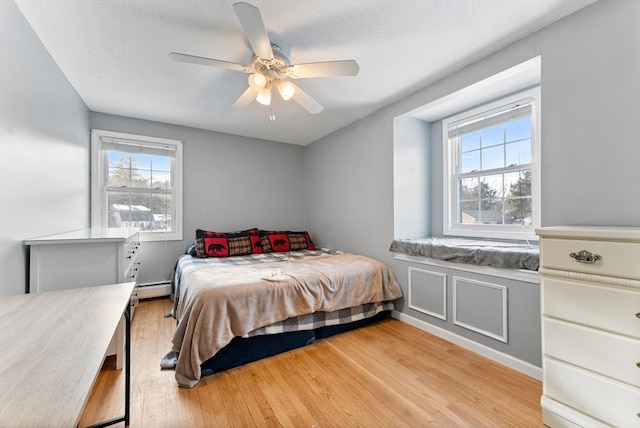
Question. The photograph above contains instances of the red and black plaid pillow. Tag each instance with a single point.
(224, 244)
(280, 241)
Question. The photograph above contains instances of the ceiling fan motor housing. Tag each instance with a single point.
(278, 64)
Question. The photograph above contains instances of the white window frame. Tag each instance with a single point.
(450, 190)
(99, 172)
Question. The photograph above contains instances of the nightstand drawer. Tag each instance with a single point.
(612, 402)
(608, 308)
(619, 259)
(604, 353)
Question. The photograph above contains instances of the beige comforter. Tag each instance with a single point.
(218, 303)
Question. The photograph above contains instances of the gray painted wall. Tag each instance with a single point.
(44, 148)
(590, 141)
(411, 178)
(230, 183)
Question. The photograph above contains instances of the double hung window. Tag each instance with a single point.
(491, 169)
(137, 182)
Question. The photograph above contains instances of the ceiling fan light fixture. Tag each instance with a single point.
(286, 89)
(264, 96)
(257, 80)
(270, 67)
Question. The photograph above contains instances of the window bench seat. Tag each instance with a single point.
(497, 254)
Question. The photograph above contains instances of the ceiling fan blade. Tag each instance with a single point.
(324, 69)
(306, 101)
(246, 98)
(254, 29)
(191, 59)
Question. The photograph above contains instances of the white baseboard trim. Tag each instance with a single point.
(151, 291)
(499, 357)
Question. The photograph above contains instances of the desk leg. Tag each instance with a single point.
(127, 374)
(127, 367)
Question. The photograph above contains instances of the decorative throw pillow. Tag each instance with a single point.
(280, 241)
(225, 244)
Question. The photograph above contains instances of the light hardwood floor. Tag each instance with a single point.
(390, 374)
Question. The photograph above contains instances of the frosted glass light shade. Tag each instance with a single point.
(257, 80)
(264, 96)
(286, 89)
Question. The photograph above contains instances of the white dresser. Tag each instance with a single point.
(83, 258)
(590, 281)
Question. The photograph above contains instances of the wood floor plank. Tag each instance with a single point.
(389, 374)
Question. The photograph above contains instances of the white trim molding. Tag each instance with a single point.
(443, 278)
(503, 289)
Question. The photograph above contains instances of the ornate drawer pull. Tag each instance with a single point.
(585, 256)
(638, 315)
(638, 365)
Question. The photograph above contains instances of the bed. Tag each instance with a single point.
(235, 308)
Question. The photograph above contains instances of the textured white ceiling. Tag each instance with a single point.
(115, 54)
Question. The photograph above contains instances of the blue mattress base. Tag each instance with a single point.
(245, 350)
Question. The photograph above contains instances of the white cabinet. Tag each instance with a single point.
(590, 279)
(84, 258)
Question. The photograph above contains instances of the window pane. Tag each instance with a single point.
(141, 178)
(119, 159)
(518, 153)
(469, 212)
(491, 211)
(162, 207)
(518, 211)
(139, 171)
(492, 136)
(470, 161)
(161, 163)
(510, 180)
(493, 157)
(518, 184)
(141, 161)
(518, 205)
(470, 142)
(118, 177)
(518, 129)
(491, 186)
(150, 212)
(160, 179)
(469, 189)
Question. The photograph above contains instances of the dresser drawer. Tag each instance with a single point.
(608, 308)
(608, 354)
(130, 251)
(619, 259)
(612, 402)
(131, 274)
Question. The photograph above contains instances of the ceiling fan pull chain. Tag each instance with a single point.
(272, 109)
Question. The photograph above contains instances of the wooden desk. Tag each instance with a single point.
(52, 346)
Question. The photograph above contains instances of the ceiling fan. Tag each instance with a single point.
(270, 70)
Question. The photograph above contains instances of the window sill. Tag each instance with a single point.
(494, 254)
